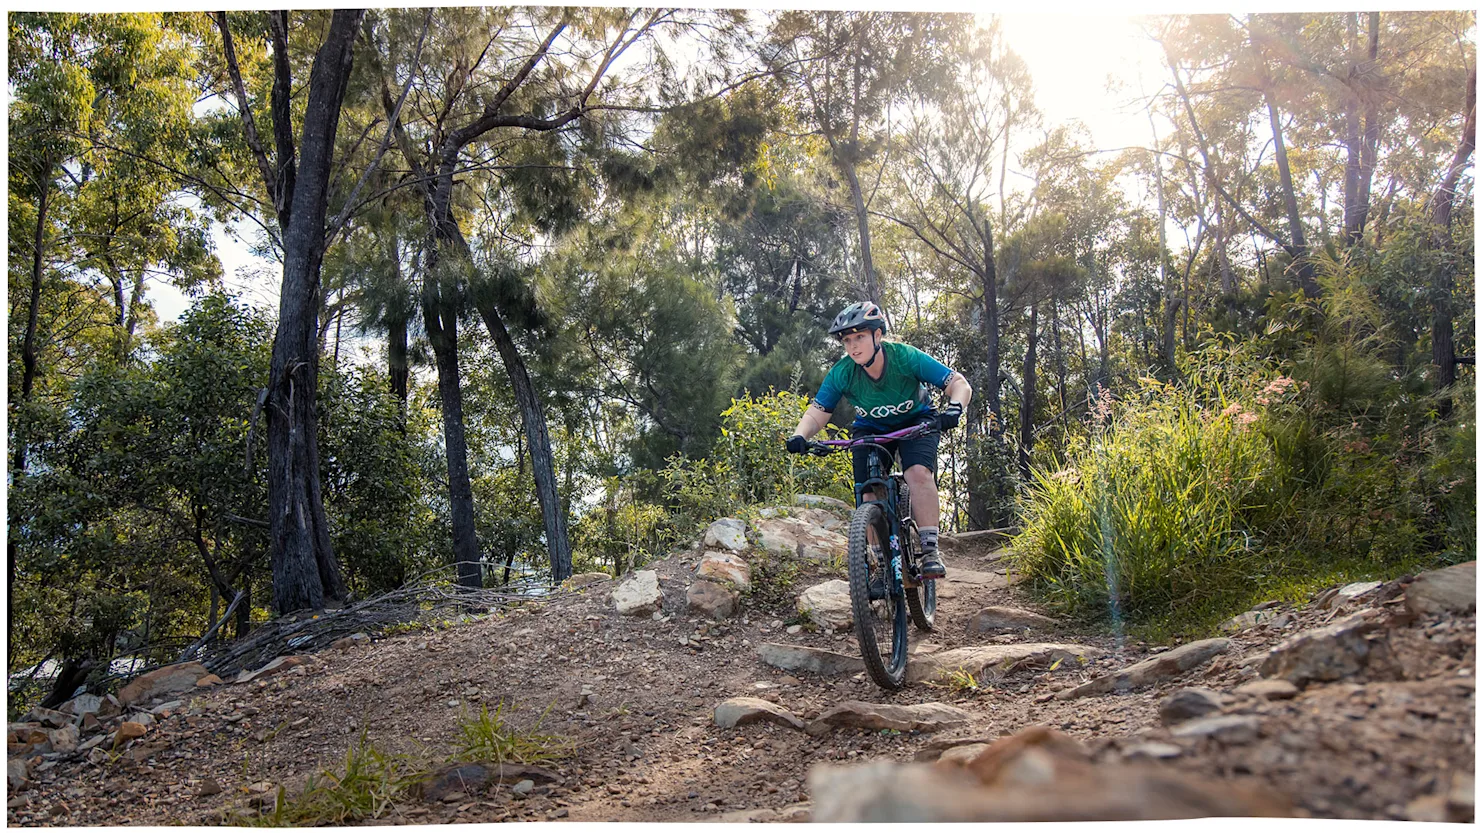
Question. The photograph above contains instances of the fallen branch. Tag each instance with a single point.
(231, 608)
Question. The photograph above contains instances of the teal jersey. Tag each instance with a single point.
(896, 399)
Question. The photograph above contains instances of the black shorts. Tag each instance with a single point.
(916, 451)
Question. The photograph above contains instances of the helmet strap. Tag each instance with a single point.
(877, 349)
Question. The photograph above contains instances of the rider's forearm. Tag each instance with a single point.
(959, 390)
(812, 421)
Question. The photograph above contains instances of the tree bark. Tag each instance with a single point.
(440, 313)
(1372, 132)
(1349, 233)
(986, 426)
(304, 571)
(1030, 393)
(865, 248)
(1440, 239)
(537, 434)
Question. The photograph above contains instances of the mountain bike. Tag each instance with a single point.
(883, 543)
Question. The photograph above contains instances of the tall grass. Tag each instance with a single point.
(1160, 512)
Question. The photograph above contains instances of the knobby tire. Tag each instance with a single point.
(890, 675)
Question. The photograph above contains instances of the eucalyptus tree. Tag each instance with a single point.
(849, 69)
(516, 74)
(296, 176)
(950, 167)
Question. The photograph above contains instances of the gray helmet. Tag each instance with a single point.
(864, 315)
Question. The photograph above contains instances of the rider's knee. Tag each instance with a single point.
(919, 476)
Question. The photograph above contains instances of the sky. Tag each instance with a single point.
(1068, 54)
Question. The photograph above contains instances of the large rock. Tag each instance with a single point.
(726, 532)
(712, 599)
(1033, 776)
(1161, 667)
(1008, 618)
(65, 739)
(83, 704)
(17, 774)
(922, 717)
(802, 658)
(1330, 653)
(823, 502)
(48, 717)
(167, 680)
(1248, 619)
(821, 517)
(1450, 590)
(742, 711)
(828, 604)
(639, 595)
(1187, 703)
(796, 537)
(723, 566)
(990, 662)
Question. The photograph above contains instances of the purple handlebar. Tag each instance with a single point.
(901, 434)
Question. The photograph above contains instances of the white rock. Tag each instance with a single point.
(726, 532)
(639, 595)
(828, 604)
(921, 717)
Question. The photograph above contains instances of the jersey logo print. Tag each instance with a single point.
(892, 410)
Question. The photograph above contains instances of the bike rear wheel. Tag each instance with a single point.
(921, 598)
(876, 622)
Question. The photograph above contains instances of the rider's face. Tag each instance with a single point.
(860, 346)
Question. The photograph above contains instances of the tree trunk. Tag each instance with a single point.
(399, 363)
(1353, 141)
(1058, 350)
(537, 433)
(441, 326)
(303, 567)
(860, 210)
(1304, 269)
(1372, 132)
(980, 507)
(1030, 392)
(1440, 240)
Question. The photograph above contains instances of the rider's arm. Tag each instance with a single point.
(812, 422)
(958, 390)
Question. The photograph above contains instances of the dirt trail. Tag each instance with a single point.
(647, 748)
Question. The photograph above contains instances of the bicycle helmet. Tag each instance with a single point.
(864, 315)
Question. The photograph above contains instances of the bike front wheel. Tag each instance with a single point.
(884, 621)
(921, 597)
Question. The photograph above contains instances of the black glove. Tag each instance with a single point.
(950, 417)
(796, 444)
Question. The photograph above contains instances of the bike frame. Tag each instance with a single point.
(879, 477)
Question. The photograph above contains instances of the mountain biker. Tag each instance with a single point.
(885, 381)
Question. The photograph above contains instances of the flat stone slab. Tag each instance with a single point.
(1228, 728)
(1164, 666)
(1269, 689)
(922, 717)
(803, 658)
(1450, 590)
(1009, 618)
(742, 711)
(989, 662)
(974, 577)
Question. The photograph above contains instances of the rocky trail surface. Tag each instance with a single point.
(696, 690)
